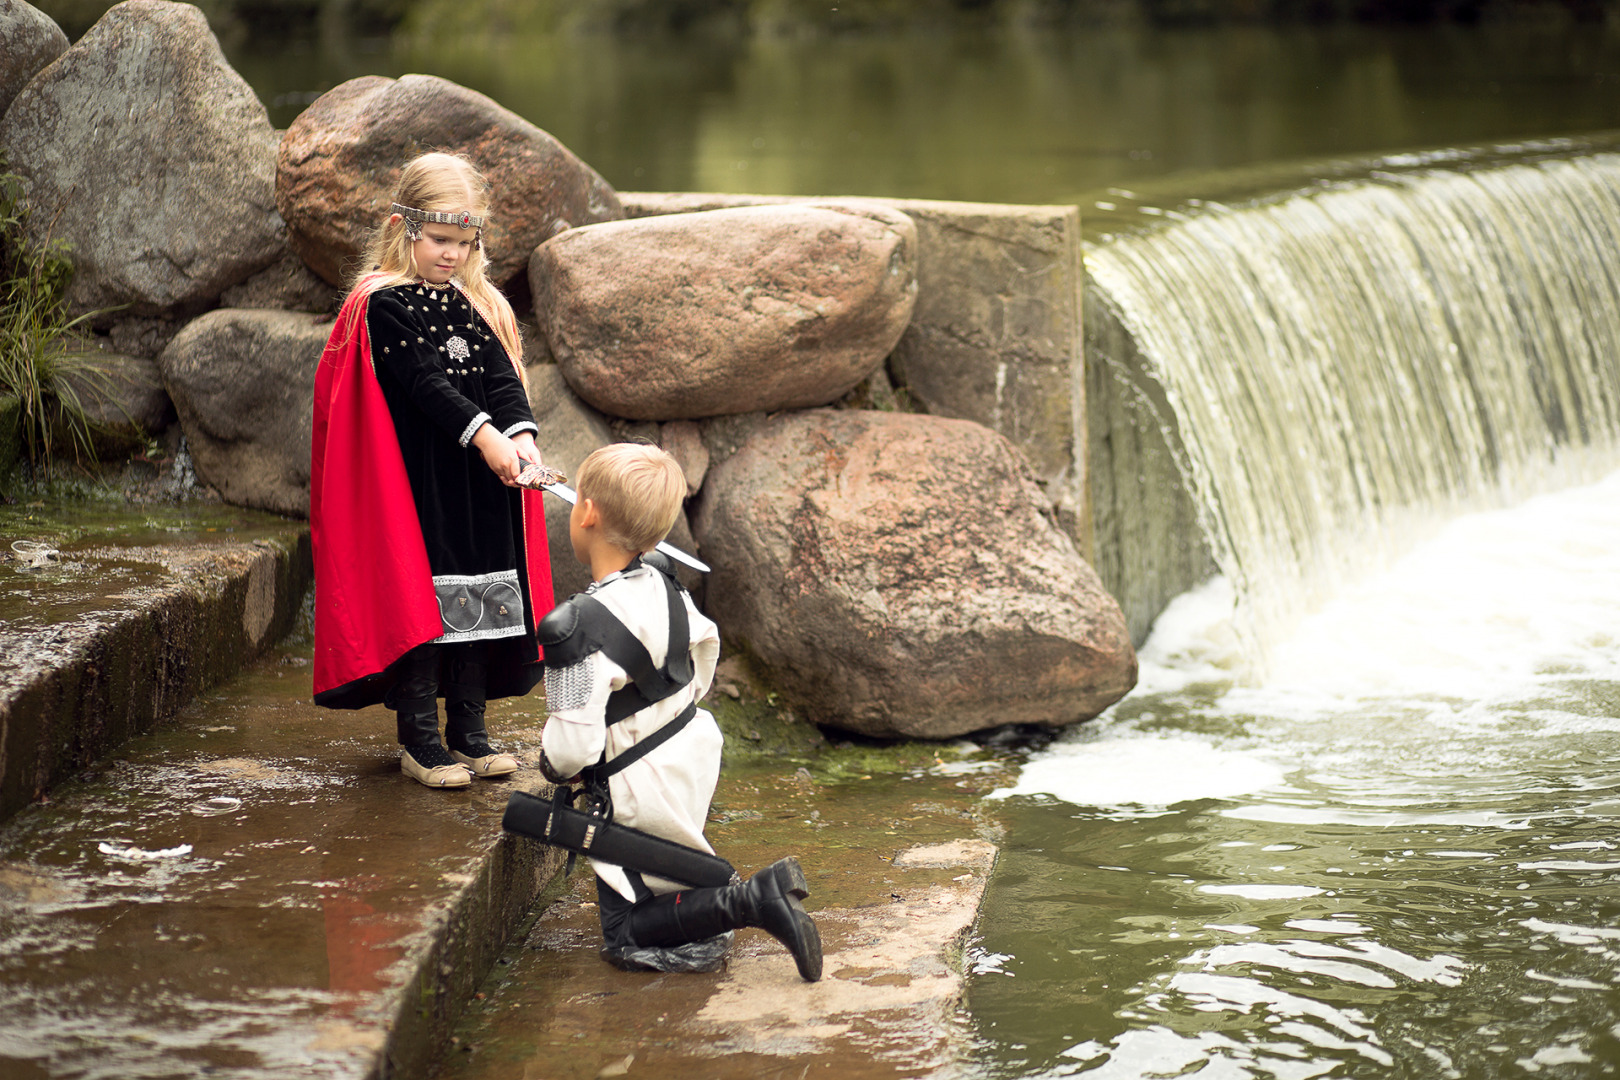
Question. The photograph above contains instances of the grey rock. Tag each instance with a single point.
(683, 441)
(285, 285)
(125, 398)
(996, 333)
(31, 40)
(143, 337)
(689, 316)
(902, 575)
(341, 159)
(152, 158)
(996, 336)
(242, 382)
(569, 431)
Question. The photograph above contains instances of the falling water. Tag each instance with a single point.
(1358, 819)
(1340, 371)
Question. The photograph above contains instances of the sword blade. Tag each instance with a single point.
(569, 496)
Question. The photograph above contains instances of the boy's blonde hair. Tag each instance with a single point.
(638, 490)
(446, 182)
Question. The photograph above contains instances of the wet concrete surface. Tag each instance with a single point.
(253, 890)
(112, 618)
(897, 863)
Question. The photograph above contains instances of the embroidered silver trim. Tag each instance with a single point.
(473, 608)
(523, 425)
(570, 688)
(472, 428)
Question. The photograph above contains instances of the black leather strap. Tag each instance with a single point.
(601, 772)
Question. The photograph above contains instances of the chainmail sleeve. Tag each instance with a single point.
(576, 696)
(570, 688)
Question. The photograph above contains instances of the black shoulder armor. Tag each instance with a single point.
(563, 633)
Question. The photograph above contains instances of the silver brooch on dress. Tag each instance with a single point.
(457, 348)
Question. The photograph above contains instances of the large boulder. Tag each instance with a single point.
(145, 151)
(996, 333)
(242, 382)
(901, 575)
(726, 311)
(341, 158)
(124, 397)
(31, 40)
(569, 431)
(285, 285)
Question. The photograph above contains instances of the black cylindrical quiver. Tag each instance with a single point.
(557, 823)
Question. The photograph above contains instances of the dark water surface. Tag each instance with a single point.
(1004, 116)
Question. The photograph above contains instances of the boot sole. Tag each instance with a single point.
(791, 878)
(808, 953)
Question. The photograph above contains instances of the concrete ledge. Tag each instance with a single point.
(101, 644)
(254, 890)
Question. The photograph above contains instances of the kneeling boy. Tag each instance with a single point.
(626, 663)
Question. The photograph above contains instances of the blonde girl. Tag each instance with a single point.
(430, 564)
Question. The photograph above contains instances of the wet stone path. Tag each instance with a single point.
(896, 870)
(253, 890)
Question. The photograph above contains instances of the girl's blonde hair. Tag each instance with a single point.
(638, 490)
(447, 182)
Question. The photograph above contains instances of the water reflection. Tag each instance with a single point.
(1416, 880)
(1004, 116)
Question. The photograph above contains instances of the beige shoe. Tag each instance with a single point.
(439, 776)
(490, 765)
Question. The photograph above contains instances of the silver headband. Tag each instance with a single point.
(415, 219)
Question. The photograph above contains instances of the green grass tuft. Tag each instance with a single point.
(47, 359)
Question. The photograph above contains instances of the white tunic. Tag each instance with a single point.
(667, 792)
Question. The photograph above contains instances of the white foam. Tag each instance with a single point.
(1496, 602)
(1143, 770)
(1461, 656)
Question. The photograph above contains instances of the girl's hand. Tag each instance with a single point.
(499, 453)
(524, 441)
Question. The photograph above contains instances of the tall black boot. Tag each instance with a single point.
(414, 698)
(768, 900)
(464, 701)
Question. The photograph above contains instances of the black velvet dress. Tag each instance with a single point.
(444, 374)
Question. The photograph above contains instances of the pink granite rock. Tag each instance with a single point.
(901, 575)
(726, 311)
(340, 159)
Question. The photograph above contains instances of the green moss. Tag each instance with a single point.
(759, 730)
(763, 732)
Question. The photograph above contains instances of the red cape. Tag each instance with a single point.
(374, 598)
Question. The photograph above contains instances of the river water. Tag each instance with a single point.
(1396, 855)
(1002, 117)
(1376, 838)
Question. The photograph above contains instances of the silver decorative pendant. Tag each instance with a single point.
(457, 348)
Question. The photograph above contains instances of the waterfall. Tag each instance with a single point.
(1294, 390)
